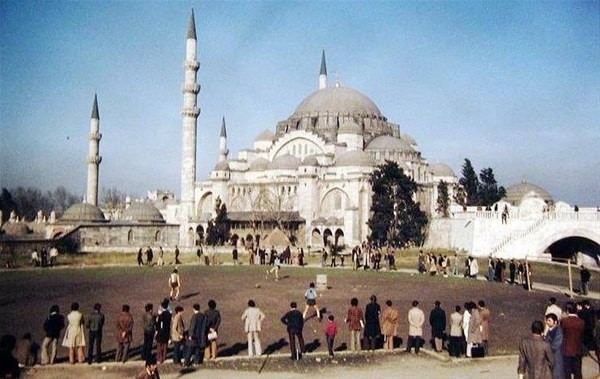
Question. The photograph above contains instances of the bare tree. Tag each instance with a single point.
(112, 198)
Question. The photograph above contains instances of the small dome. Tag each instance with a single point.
(222, 166)
(354, 158)
(411, 141)
(143, 212)
(441, 169)
(285, 162)
(259, 164)
(310, 160)
(16, 229)
(337, 101)
(349, 127)
(389, 143)
(83, 212)
(517, 192)
(266, 135)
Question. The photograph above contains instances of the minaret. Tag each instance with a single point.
(93, 159)
(190, 114)
(323, 74)
(223, 152)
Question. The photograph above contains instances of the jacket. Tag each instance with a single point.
(535, 358)
(125, 327)
(252, 318)
(416, 318)
(53, 325)
(573, 328)
(294, 321)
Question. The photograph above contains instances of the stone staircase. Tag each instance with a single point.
(518, 234)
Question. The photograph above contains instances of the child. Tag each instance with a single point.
(330, 331)
(174, 284)
(311, 301)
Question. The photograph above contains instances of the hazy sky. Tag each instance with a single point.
(511, 85)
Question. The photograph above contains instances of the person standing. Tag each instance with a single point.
(295, 323)
(416, 319)
(356, 323)
(124, 334)
(474, 337)
(512, 269)
(455, 345)
(437, 320)
(585, 276)
(553, 308)
(196, 338)
(554, 336)
(213, 320)
(253, 318)
(53, 325)
(149, 329)
(140, 259)
(163, 331)
(311, 301)
(573, 328)
(74, 336)
(535, 354)
(161, 254)
(485, 315)
(94, 324)
(53, 256)
(174, 285)
(149, 256)
(331, 330)
(372, 326)
(177, 262)
(177, 331)
(234, 255)
(389, 325)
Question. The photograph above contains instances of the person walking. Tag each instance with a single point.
(174, 285)
(53, 325)
(124, 334)
(95, 324)
(535, 355)
(356, 323)
(372, 326)
(311, 301)
(163, 331)
(331, 330)
(295, 323)
(177, 334)
(437, 320)
(74, 338)
(149, 329)
(253, 318)
(276, 265)
(213, 320)
(196, 338)
(416, 319)
(140, 259)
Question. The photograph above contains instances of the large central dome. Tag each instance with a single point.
(337, 101)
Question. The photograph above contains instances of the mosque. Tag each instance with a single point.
(309, 177)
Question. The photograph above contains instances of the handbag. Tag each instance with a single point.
(212, 335)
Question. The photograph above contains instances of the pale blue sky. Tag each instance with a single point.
(511, 85)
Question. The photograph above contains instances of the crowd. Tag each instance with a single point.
(44, 258)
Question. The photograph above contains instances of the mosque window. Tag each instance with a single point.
(337, 201)
(157, 236)
(130, 236)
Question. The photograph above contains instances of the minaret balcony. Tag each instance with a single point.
(94, 160)
(95, 136)
(194, 65)
(191, 112)
(193, 88)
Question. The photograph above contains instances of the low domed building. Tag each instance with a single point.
(516, 193)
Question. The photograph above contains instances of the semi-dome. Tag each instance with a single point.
(389, 143)
(517, 192)
(259, 164)
(286, 162)
(310, 160)
(349, 127)
(441, 169)
(83, 212)
(337, 101)
(222, 166)
(266, 135)
(354, 158)
(143, 212)
(16, 229)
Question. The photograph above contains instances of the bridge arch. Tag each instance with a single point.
(563, 243)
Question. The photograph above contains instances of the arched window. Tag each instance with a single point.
(130, 236)
(157, 236)
(337, 201)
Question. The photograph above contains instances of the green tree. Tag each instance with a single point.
(7, 205)
(470, 183)
(489, 191)
(217, 231)
(396, 218)
(443, 199)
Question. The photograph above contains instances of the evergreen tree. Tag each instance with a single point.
(7, 205)
(470, 183)
(395, 217)
(489, 191)
(443, 199)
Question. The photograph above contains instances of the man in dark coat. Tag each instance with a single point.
(196, 338)
(95, 324)
(52, 326)
(295, 323)
(573, 328)
(535, 355)
(437, 320)
(585, 276)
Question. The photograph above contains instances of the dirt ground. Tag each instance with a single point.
(26, 295)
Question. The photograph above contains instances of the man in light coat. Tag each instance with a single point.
(416, 319)
(253, 318)
(474, 337)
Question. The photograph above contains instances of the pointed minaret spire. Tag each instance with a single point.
(323, 74)
(95, 114)
(223, 151)
(192, 27)
(93, 159)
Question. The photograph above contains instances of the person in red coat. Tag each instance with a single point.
(573, 328)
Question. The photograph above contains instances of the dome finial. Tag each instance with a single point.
(323, 73)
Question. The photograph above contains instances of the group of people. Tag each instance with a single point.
(44, 258)
(557, 344)
(160, 260)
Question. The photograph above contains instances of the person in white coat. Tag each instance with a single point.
(253, 318)
(416, 319)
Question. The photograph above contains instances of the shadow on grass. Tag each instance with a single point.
(233, 350)
(312, 346)
(188, 295)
